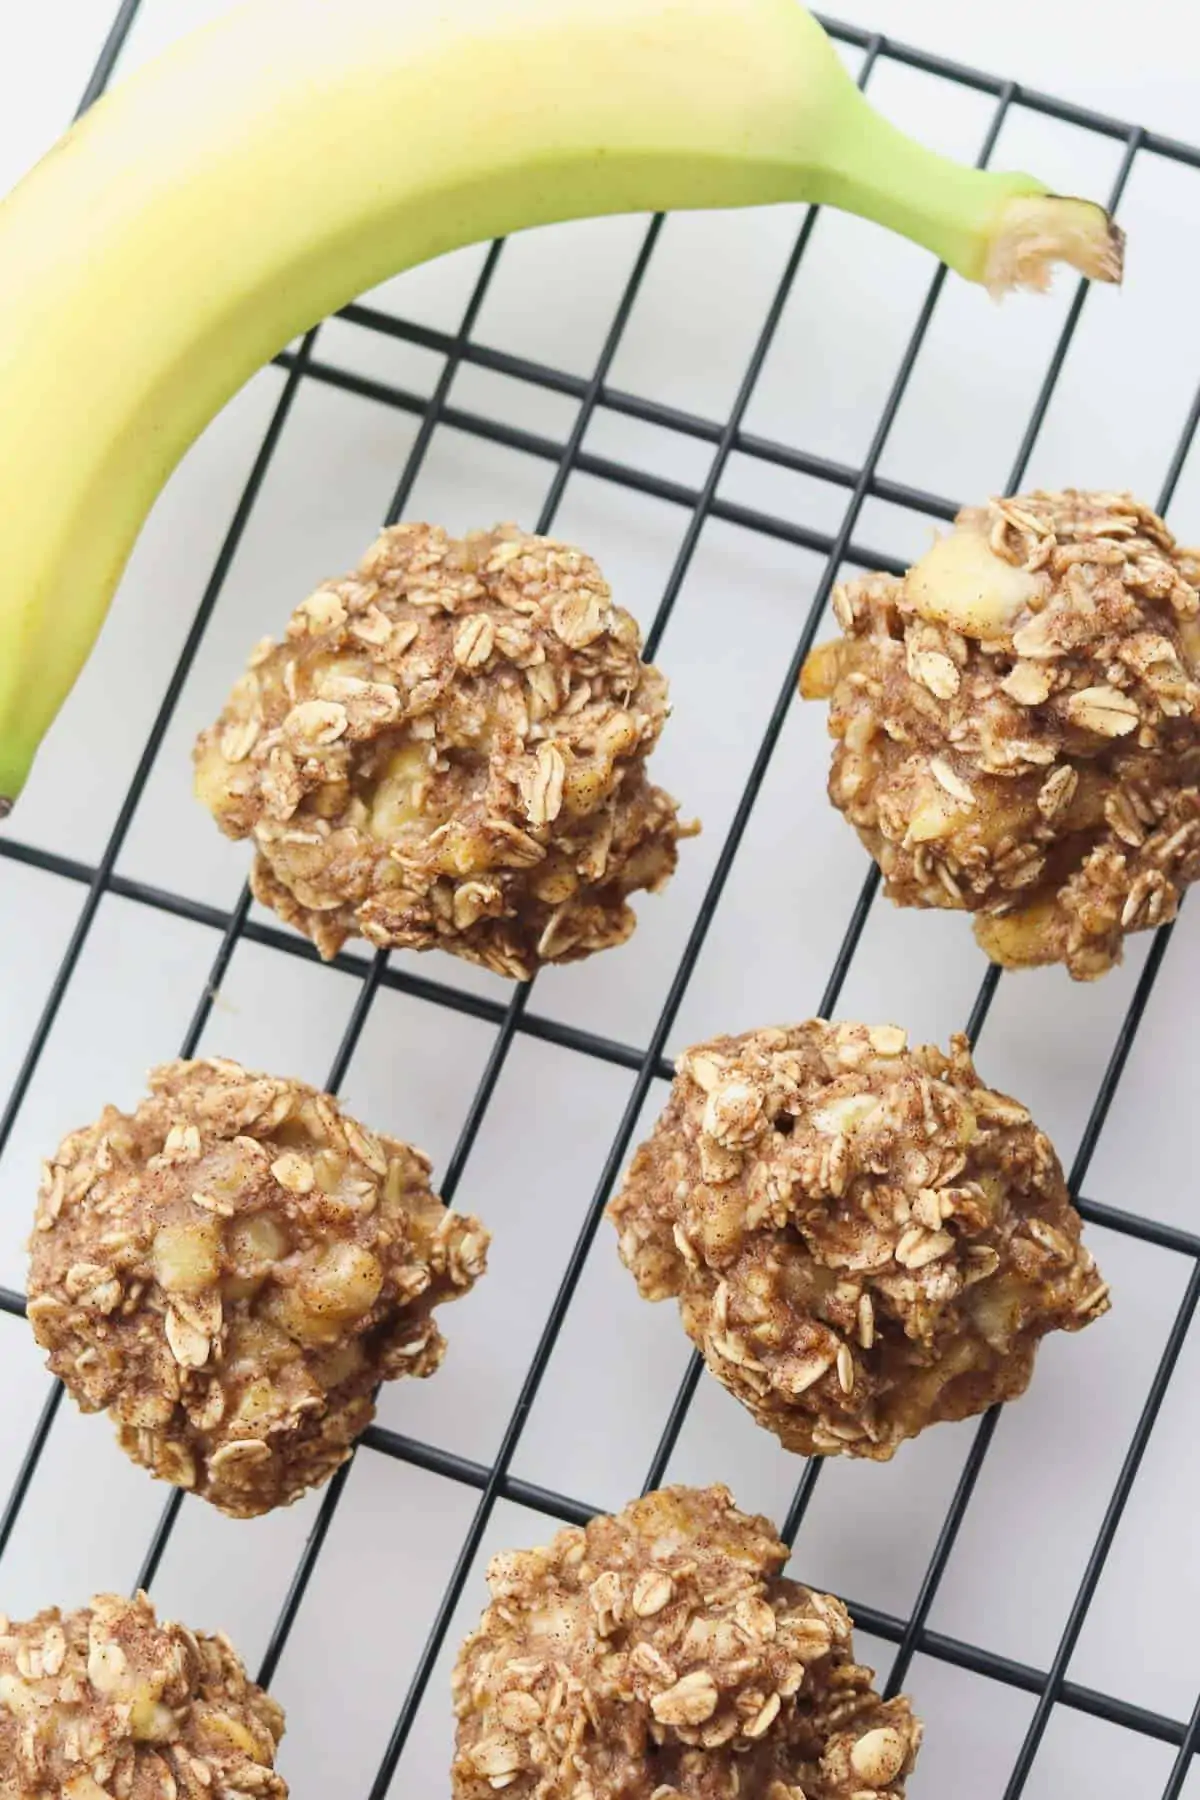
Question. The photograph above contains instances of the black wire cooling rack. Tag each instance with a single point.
(912, 1634)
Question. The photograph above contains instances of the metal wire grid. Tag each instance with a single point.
(494, 1481)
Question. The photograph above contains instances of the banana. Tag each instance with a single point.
(294, 153)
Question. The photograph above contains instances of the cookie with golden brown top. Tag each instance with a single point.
(231, 1270)
(662, 1653)
(448, 750)
(1018, 725)
(862, 1237)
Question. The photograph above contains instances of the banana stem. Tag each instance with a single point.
(1002, 230)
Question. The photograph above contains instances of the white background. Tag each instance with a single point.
(1117, 409)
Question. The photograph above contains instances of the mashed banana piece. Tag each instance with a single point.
(863, 1239)
(661, 1653)
(449, 750)
(109, 1701)
(1018, 725)
(232, 1269)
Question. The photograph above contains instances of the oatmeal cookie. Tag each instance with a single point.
(863, 1239)
(662, 1653)
(449, 749)
(108, 1700)
(1018, 725)
(232, 1269)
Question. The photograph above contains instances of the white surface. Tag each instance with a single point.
(1121, 400)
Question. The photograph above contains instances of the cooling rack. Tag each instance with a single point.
(907, 1640)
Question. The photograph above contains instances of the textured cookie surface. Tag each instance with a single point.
(231, 1269)
(1018, 725)
(661, 1652)
(449, 749)
(862, 1237)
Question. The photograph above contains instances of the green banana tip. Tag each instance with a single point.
(6, 806)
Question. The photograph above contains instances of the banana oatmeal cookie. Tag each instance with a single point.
(449, 750)
(1018, 725)
(108, 1701)
(662, 1653)
(863, 1239)
(232, 1269)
